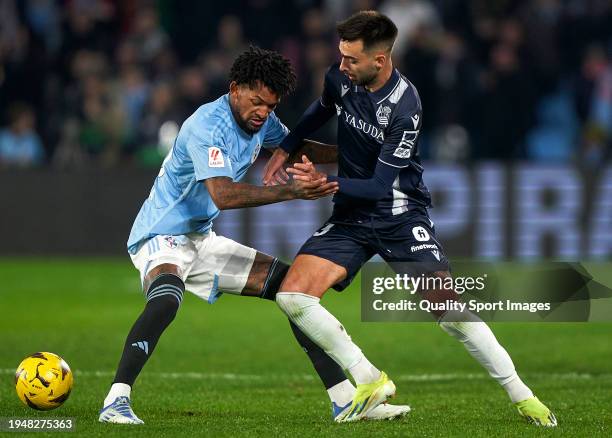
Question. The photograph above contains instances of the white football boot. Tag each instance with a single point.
(119, 412)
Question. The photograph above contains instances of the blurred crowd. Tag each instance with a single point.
(108, 83)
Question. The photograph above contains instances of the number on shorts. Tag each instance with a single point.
(323, 230)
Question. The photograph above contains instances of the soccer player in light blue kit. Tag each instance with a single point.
(172, 243)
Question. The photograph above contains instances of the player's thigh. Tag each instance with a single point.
(164, 255)
(312, 275)
(331, 257)
(222, 266)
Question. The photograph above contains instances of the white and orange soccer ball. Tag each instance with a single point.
(43, 381)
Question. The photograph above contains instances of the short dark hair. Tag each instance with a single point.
(266, 66)
(372, 27)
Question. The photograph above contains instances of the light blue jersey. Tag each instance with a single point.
(209, 144)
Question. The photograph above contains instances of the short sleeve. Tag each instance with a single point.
(401, 138)
(209, 161)
(276, 131)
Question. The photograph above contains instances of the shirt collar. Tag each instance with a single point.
(383, 92)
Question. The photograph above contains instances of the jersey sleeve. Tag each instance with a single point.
(276, 132)
(401, 138)
(328, 98)
(210, 155)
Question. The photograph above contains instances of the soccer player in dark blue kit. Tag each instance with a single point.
(380, 208)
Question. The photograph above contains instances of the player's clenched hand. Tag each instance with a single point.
(313, 189)
(274, 173)
(305, 171)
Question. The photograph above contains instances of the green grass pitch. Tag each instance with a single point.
(233, 368)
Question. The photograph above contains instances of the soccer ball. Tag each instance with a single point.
(43, 381)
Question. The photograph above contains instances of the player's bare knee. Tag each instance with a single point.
(313, 285)
(165, 268)
(293, 283)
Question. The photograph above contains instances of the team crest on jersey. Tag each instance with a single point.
(170, 242)
(255, 153)
(382, 115)
(215, 157)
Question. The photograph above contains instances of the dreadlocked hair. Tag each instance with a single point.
(266, 66)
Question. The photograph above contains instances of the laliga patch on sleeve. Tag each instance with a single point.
(215, 157)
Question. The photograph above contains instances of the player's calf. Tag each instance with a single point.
(330, 373)
(164, 296)
(339, 388)
(481, 343)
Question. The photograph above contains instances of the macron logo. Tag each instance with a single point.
(344, 90)
(143, 345)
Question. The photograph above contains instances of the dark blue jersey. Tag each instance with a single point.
(379, 170)
(377, 128)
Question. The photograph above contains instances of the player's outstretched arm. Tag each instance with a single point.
(227, 194)
(395, 154)
(315, 116)
(319, 153)
(371, 189)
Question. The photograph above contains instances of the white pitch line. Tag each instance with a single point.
(306, 377)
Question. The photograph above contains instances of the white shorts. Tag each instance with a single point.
(209, 264)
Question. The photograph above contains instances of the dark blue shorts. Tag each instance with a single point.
(407, 241)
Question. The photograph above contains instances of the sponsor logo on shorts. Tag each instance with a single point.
(420, 234)
(215, 157)
(422, 247)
